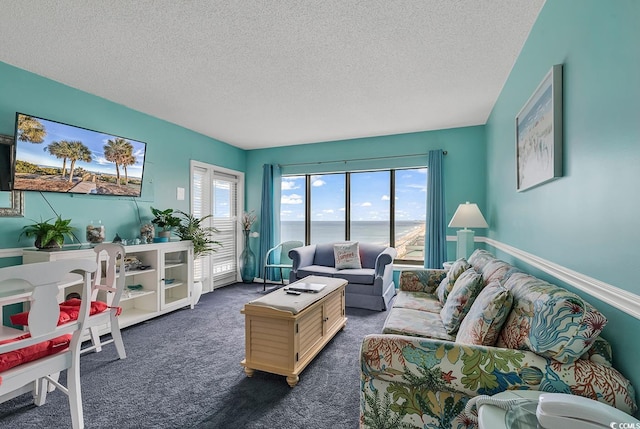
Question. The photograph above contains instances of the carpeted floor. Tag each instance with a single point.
(183, 371)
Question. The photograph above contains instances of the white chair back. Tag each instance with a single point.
(112, 281)
(38, 284)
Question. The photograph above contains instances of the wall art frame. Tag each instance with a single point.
(15, 207)
(539, 134)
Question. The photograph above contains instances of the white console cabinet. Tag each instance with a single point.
(166, 285)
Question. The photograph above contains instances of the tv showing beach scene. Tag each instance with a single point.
(56, 157)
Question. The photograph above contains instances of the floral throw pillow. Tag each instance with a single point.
(458, 267)
(486, 316)
(347, 255)
(464, 292)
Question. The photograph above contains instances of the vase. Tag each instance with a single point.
(247, 261)
(95, 232)
(147, 232)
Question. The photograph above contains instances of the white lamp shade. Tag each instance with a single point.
(468, 216)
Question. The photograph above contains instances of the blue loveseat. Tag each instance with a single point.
(369, 287)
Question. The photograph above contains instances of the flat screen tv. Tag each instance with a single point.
(54, 157)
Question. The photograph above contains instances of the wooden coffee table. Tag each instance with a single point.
(283, 333)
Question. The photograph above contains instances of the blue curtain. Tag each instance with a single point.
(435, 244)
(269, 216)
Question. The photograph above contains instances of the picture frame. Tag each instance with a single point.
(539, 134)
(11, 202)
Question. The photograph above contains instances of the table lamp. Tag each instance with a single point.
(466, 216)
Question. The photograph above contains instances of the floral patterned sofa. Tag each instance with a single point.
(483, 327)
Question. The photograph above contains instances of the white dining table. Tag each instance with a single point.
(13, 292)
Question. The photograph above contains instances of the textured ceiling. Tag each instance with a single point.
(274, 73)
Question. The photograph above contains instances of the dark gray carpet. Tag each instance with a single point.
(183, 371)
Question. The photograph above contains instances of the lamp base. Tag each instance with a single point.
(465, 245)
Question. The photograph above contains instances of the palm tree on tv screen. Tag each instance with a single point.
(61, 150)
(118, 151)
(126, 161)
(77, 151)
(30, 129)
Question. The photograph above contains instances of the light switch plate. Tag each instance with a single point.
(180, 194)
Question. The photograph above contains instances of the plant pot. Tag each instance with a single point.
(51, 245)
(164, 234)
(197, 291)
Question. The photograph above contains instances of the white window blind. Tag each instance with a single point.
(200, 200)
(225, 200)
(215, 192)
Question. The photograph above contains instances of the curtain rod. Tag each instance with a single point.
(444, 152)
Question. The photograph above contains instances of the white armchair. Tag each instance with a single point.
(281, 259)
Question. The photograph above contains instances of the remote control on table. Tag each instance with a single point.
(293, 292)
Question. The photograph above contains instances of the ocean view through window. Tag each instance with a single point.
(386, 207)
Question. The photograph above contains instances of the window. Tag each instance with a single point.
(292, 203)
(410, 213)
(386, 207)
(327, 208)
(369, 207)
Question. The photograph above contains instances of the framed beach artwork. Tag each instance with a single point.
(539, 133)
(11, 202)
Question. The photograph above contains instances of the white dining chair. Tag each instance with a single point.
(25, 368)
(112, 282)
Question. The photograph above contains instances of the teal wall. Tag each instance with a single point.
(586, 220)
(464, 165)
(169, 149)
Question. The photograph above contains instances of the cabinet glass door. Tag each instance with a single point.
(174, 283)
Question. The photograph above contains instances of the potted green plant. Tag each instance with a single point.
(166, 220)
(191, 228)
(48, 235)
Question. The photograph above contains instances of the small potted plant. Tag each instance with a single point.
(166, 220)
(191, 228)
(49, 235)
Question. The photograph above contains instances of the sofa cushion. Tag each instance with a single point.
(495, 270)
(486, 316)
(479, 258)
(416, 323)
(347, 256)
(599, 353)
(363, 275)
(458, 267)
(464, 292)
(549, 320)
(316, 270)
(324, 255)
(417, 301)
(369, 253)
